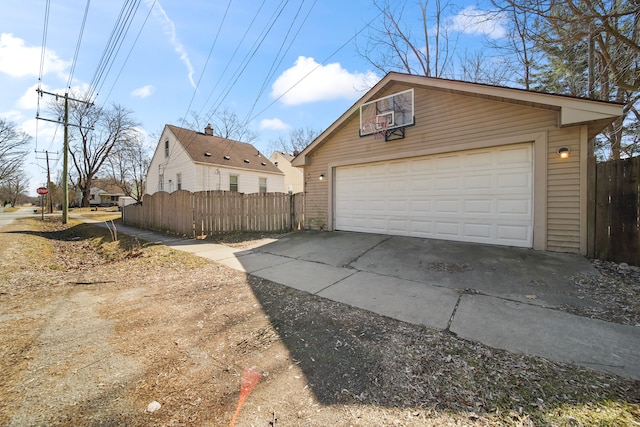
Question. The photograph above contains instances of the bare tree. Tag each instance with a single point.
(474, 68)
(94, 136)
(297, 140)
(13, 148)
(518, 49)
(13, 187)
(128, 164)
(225, 125)
(392, 45)
(591, 49)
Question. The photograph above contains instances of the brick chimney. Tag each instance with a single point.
(208, 130)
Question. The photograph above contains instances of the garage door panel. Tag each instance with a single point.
(420, 206)
(447, 207)
(513, 181)
(444, 163)
(512, 233)
(479, 159)
(514, 154)
(478, 181)
(514, 207)
(479, 207)
(482, 196)
(478, 231)
(448, 183)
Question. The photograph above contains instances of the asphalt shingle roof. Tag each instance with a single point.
(214, 150)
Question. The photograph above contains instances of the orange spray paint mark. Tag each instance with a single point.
(250, 378)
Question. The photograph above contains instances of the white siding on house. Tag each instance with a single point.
(217, 178)
(178, 162)
(200, 177)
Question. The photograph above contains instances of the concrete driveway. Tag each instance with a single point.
(500, 296)
(503, 297)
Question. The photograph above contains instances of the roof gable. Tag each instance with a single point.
(572, 110)
(216, 151)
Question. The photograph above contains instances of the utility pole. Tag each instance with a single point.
(65, 154)
(50, 193)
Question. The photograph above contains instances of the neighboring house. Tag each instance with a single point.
(104, 193)
(195, 161)
(293, 177)
(457, 161)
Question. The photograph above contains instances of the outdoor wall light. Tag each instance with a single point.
(563, 152)
(321, 177)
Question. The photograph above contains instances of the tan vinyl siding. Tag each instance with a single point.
(563, 191)
(444, 122)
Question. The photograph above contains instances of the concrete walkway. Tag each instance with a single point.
(506, 298)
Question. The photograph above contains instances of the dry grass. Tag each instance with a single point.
(94, 329)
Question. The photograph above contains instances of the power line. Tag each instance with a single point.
(316, 67)
(249, 57)
(119, 31)
(131, 50)
(223, 73)
(275, 65)
(45, 29)
(233, 55)
(75, 55)
(195, 90)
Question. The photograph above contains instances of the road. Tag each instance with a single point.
(7, 218)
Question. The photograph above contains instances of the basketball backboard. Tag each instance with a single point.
(388, 115)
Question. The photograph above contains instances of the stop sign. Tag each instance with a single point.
(42, 190)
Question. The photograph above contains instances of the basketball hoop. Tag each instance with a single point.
(387, 117)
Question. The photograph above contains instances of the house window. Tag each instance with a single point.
(233, 183)
(161, 182)
(263, 185)
(166, 148)
(179, 181)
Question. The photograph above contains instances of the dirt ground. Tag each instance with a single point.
(92, 331)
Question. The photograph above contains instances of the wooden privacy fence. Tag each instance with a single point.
(210, 212)
(616, 218)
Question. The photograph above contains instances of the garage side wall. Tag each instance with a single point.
(451, 122)
(563, 191)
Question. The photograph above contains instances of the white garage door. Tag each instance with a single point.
(483, 196)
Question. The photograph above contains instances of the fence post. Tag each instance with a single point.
(592, 181)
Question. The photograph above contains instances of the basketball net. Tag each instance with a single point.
(379, 127)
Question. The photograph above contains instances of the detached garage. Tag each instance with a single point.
(444, 159)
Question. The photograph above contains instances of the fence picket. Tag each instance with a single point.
(210, 212)
(617, 231)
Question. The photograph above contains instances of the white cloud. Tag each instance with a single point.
(170, 30)
(29, 101)
(273, 124)
(19, 60)
(11, 115)
(307, 81)
(478, 22)
(143, 92)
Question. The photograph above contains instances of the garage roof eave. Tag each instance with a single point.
(573, 110)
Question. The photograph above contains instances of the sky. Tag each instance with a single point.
(278, 65)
